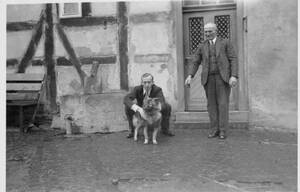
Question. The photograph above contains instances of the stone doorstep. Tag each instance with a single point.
(234, 125)
(196, 119)
(202, 117)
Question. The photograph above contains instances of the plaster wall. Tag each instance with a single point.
(272, 62)
(23, 12)
(17, 43)
(152, 46)
(142, 7)
(104, 8)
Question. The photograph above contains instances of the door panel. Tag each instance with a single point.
(193, 35)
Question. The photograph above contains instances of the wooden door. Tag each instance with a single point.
(193, 23)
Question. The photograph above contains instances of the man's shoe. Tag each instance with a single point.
(213, 134)
(130, 135)
(222, 135)
(168, 133)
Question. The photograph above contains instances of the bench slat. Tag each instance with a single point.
(21, 96)
(23, 87)
(21, 103)
(24, 77)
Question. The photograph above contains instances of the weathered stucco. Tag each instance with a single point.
(103, 8)
(95, 113)
(17, 43)
(89, 41)
(142, 7)
(68, 81)
(25, 12)
(272, 62)
(150, 38)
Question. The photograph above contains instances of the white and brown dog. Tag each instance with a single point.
(151, 118)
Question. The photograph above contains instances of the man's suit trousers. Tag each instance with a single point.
(217, 93)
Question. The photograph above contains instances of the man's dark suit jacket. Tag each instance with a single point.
(137, 93)
(226, 60)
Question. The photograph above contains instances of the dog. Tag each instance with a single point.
(150, 119)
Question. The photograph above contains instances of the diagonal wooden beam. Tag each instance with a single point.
(36, 36)
(68, 47)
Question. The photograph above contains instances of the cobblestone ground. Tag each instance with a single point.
(45, 160)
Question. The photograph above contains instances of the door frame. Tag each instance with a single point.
(243, 101)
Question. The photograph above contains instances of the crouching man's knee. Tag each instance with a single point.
(166, 109)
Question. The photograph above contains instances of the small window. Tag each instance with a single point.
(70, 10)
(74, 10)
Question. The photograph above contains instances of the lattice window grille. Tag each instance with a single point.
(223, 25)
(196, 33)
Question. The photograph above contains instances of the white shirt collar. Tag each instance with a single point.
(214, 40)
(144, 91)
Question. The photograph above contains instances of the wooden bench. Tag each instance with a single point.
(22, 90)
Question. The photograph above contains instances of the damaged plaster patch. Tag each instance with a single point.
(171, 66)
(83, 51)
(107, 49)
(150, 17)
(76, 85)
(150, 38)
(162, 68)
(151, 58)
(169, 85)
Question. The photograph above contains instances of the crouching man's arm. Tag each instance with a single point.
(128, 101)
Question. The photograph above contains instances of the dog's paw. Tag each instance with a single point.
(154, 142)
(135, 139)
(146, 141)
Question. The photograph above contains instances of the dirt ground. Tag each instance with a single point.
(248, 160)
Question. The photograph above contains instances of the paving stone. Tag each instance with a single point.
(248, 160)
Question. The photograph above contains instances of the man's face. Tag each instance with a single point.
(210, 32)
(147, 82)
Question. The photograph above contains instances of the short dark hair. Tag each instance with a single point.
(147, 75)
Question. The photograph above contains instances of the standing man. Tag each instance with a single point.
(149, 89)
(219, 74)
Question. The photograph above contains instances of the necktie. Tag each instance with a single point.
(146, 94)
(211, 42)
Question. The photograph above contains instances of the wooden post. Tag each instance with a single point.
(123, 44)
(36, 36)
(50, 64)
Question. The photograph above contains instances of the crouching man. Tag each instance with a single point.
(146, 89)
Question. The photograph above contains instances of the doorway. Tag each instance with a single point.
(194, 19)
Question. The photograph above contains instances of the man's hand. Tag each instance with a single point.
(232, 81)
(139, 109)
(142, 112)
(188, 81)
